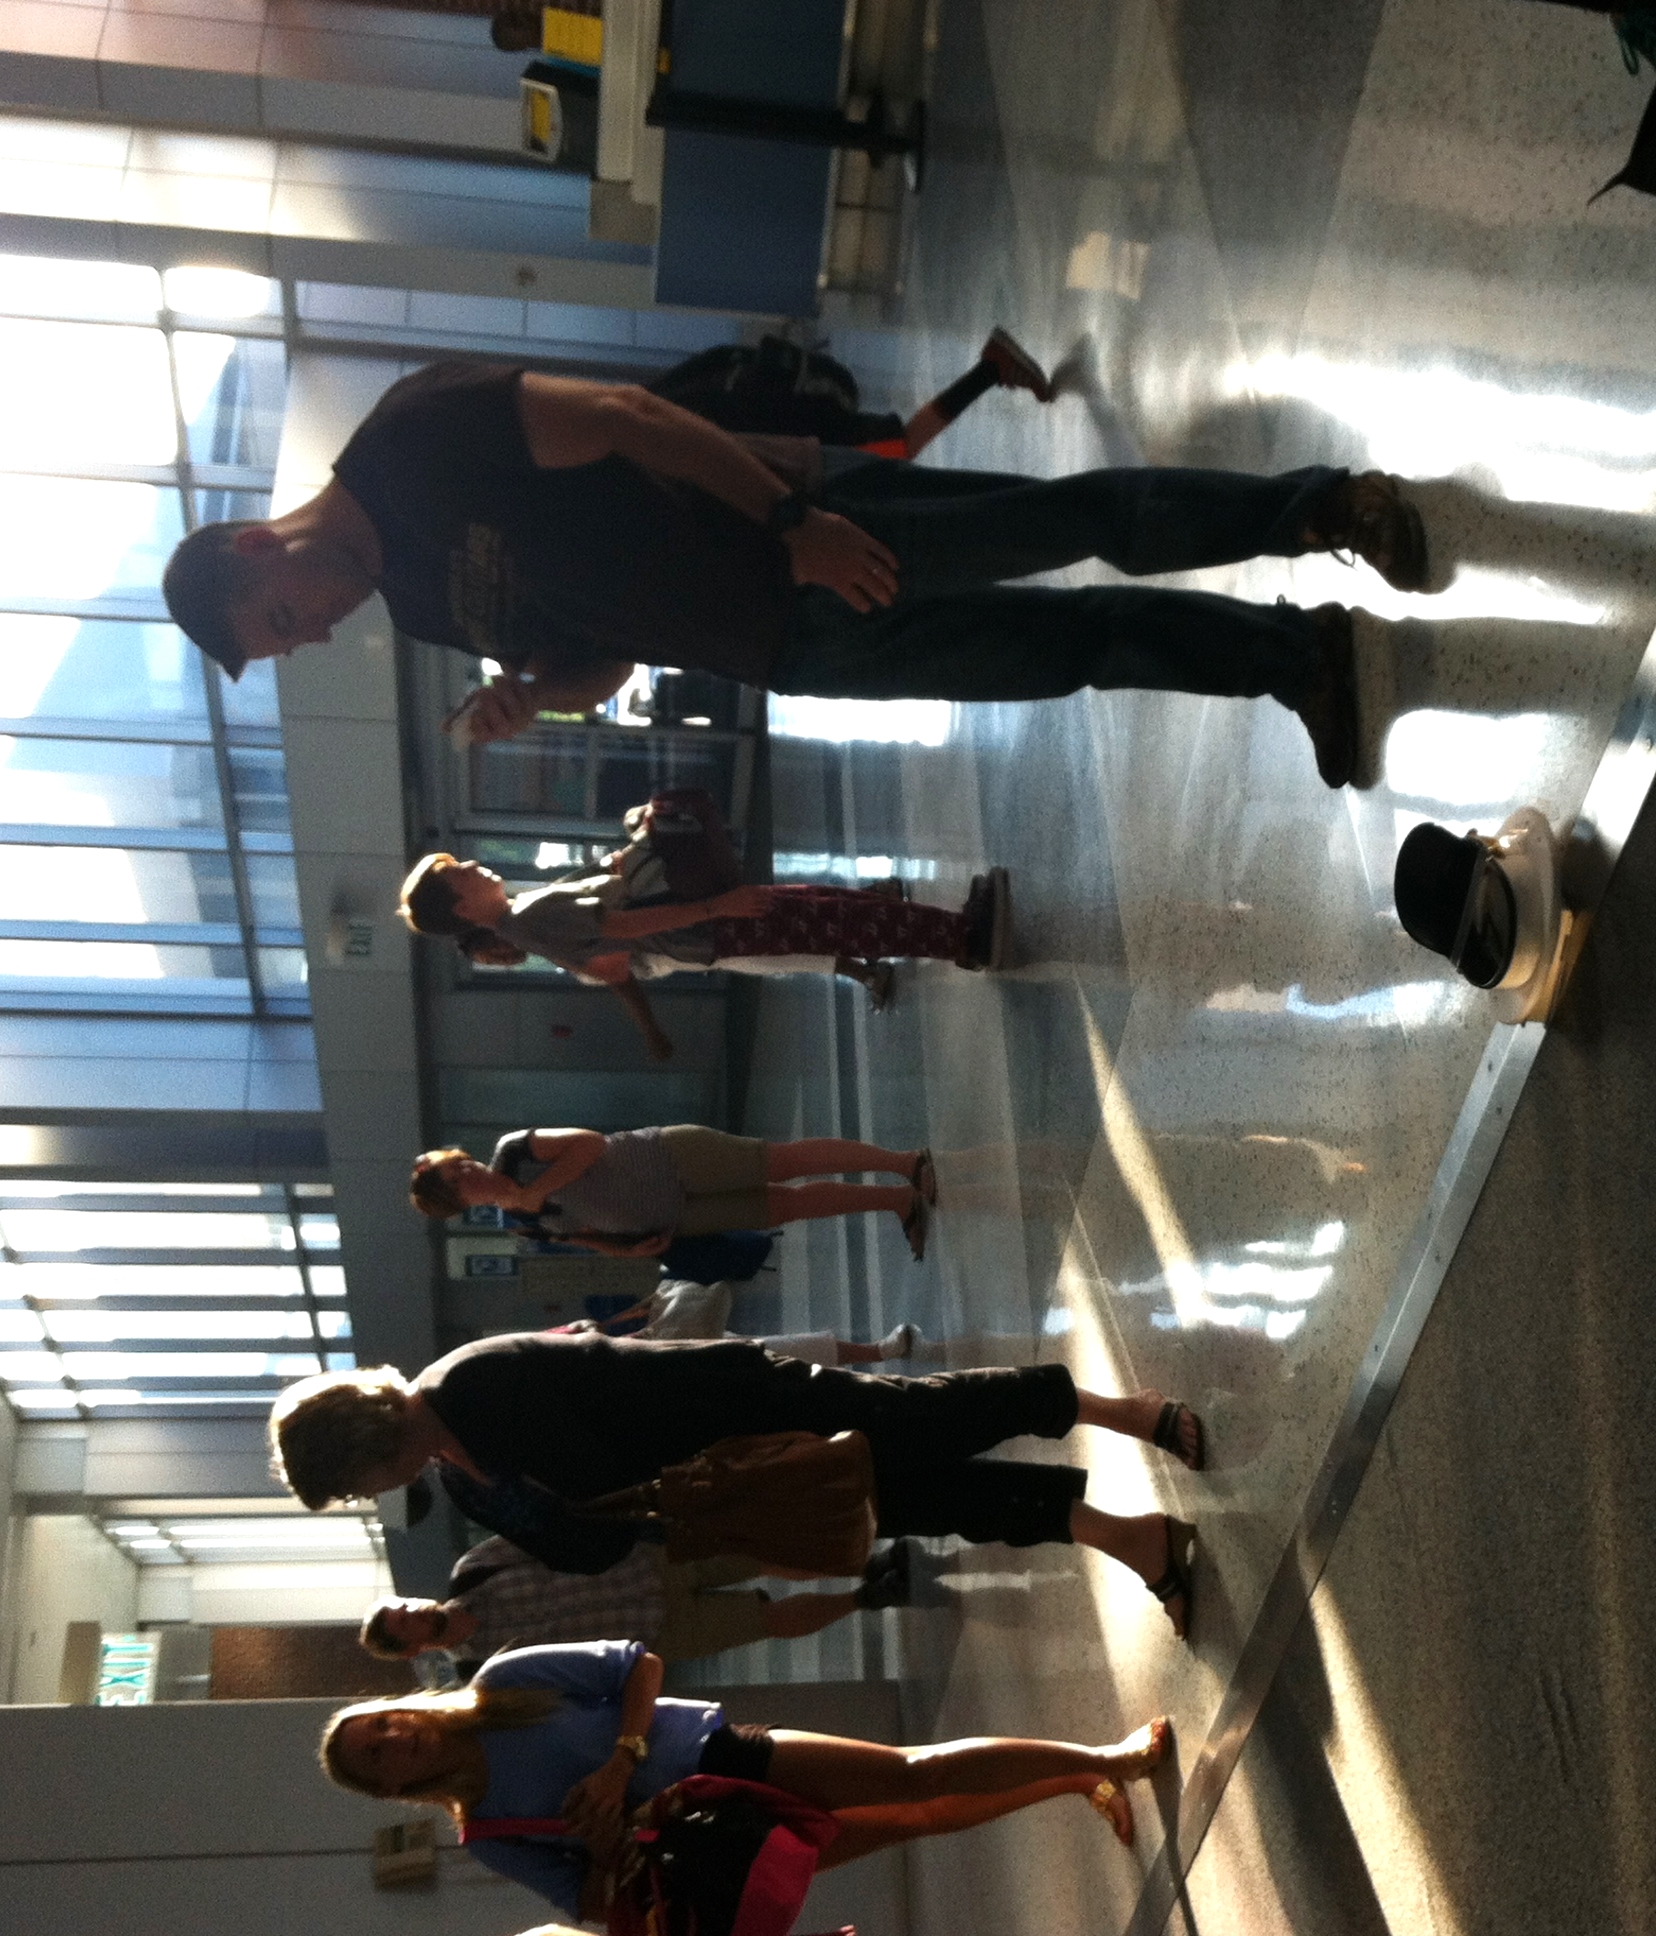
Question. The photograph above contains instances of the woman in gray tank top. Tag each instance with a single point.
(630, 1194)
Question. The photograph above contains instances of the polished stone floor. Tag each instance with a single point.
(1185, 1140)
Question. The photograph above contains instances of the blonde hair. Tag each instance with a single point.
(329, 1433)
(431, 1189)
(461, 1714)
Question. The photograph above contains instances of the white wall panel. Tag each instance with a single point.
(65, 1570)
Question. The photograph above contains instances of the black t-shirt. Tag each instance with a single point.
(549, 570)
(584, 1415)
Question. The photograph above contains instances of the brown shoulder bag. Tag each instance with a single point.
(789, 1499)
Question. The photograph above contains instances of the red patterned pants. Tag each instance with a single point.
(843, 921)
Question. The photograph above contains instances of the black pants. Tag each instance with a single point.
(925, 1434)
(956, 631)
(584, 1416)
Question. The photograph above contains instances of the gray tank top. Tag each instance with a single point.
(632, 1190)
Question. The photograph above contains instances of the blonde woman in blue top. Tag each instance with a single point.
(583, 1733)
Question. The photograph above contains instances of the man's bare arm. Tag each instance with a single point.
(568, 421)
(580, 688)
(505, 704)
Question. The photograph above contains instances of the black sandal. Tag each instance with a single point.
(1176, 1583)
(915, 1226)
(1166, 1435)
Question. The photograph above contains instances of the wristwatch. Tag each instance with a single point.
(635, 1745)
(787, 513)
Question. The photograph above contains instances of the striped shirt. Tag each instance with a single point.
(517, 1602)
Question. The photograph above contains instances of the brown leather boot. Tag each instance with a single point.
(1367, 517)
(1329, 710)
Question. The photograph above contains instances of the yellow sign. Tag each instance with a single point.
(577, 37)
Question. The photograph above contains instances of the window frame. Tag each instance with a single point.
(189, 479)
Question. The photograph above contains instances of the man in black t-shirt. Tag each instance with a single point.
(569, 528)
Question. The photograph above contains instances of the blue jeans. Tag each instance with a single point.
(956, 632)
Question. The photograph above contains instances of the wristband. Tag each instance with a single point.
(786, 513)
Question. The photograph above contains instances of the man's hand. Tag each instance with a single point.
(594, 1803)
(651, 1246)
(499, 709)
(741, 904)
(827, 549)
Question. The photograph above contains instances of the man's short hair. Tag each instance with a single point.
(374, 1636)
(205, 577)
(431, 1189)
(427, 899)
(331, 1433)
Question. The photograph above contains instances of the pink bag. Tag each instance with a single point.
(708, 1857)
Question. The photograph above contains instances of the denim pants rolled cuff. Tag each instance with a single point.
(1296, 676)
(1286, 537)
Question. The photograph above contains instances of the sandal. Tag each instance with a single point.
(924, 1176)
(1166, 1435)
(1176, 1583)
(1116, 1810)
(1139, 1764)
(915, 1227)
(881, 976)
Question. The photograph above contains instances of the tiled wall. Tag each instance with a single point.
(304, 67)
(499, 326)
(313, 211)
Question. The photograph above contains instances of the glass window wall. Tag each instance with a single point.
(145, 848)
(142, 1299)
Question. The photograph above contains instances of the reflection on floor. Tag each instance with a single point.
(1183, 1143)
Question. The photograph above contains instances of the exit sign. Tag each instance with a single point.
(126, 1670)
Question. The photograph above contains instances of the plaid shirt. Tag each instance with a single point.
(518, 1602)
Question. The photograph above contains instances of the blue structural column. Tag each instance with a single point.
(742, 219)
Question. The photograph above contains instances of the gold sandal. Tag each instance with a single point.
(1139, 1764)
(1100, 1799)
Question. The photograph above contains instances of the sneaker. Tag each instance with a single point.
(1000, 920)
(887, 1582)
(1369, 518)
(1014, 367)
(899, 1341)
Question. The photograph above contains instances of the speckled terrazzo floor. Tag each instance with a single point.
(1184, 1142)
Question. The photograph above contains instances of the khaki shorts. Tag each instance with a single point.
(723, 1178)
(699, 1618)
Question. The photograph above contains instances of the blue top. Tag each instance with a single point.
(532, 1769)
